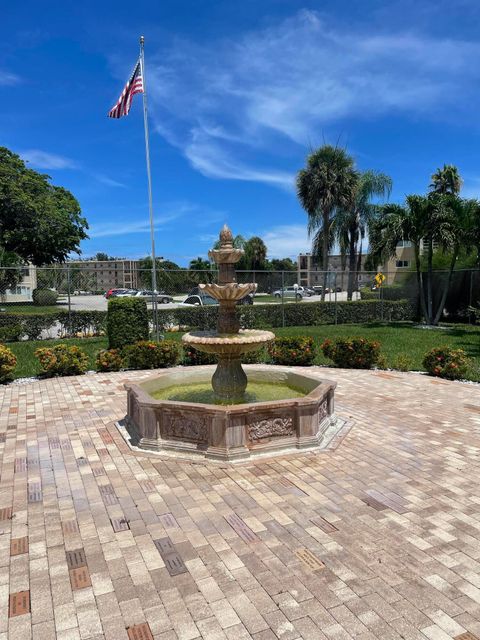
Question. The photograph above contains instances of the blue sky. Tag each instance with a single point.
(238, 93)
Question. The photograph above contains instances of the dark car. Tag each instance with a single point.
(200, 300)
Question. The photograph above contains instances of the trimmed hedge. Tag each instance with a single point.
(296, 315)
(251, 316)
(127, 321)
(146, 354)
(390, 292)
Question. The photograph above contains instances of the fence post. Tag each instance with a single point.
(283, 299)
(154, 300)
(336, 310)
(69, 300)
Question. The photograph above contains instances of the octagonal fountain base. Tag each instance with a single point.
(231, 432)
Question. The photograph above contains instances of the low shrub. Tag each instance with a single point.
(403, 362)
(256, 357)
(193, 357)
(299, 350)
(8, 362)
(146, 354)
(62, 360)
(11, 333)
(109, 360)
(445, 362)
(352, 353)
(44, 297)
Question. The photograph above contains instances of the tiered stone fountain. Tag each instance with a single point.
(165, 413)
(229, 343)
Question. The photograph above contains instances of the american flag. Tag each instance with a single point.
(133, 86)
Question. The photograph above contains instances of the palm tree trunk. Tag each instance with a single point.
(430, 281)
(421, 290)
(326, 238)
(359, 265)
(351, 263)
(441, 306)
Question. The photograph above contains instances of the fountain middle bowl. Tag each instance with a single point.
(228, 343)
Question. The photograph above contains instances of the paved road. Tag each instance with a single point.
(99, 303)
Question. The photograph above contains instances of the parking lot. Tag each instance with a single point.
(100, 303)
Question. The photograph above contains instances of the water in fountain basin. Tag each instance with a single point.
(203, 393)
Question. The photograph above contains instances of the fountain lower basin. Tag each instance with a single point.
(231, 432)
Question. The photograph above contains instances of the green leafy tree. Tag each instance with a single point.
(282, 264)
(11, 271)
(446, 181)
(327, 184)
(40, 222)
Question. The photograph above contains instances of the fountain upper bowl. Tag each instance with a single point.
(231, 291)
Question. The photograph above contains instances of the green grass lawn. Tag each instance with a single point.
(32, 309)
(396, 339)
(399, 339)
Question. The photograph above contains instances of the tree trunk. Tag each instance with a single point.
(441, 306)
(421, 290)
(430, 281)
(351, 263)
(359, 265)
(326, 237)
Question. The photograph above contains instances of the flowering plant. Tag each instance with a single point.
(109, 360)
(192, 356)
(352, 353)
(62, 360)
(299, 350)
(8, 362)
(146, 354)
(445, 362)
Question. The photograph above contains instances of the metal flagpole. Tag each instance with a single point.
(150, 202)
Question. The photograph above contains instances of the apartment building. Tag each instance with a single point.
(23, 291)
(310, 272)
(99, 275)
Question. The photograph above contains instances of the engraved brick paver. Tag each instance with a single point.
(376, 538)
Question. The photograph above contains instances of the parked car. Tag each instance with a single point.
(196, 291)
(318, 288)
(162, 296)
(126, 293)
(200, 301)
(291, 292)
(115, 292)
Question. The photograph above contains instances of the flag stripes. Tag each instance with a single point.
(133, 86)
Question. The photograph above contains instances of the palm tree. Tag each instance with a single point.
(465, 215)
(424, 221)
(326, 184)
(446, 180)
(352, 225)
(255, 253)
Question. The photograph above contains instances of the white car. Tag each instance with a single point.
(291, 292)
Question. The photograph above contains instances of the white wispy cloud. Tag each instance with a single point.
(194, 214)
(109, 182)
(286, 241)
(45, 160)
(230, 103)
(8, 79)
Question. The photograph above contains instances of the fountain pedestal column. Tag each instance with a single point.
(229, 380)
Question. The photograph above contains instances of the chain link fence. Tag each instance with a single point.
(34, 292)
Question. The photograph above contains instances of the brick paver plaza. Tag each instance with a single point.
(379, 538)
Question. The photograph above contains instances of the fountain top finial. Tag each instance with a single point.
(226, 237)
